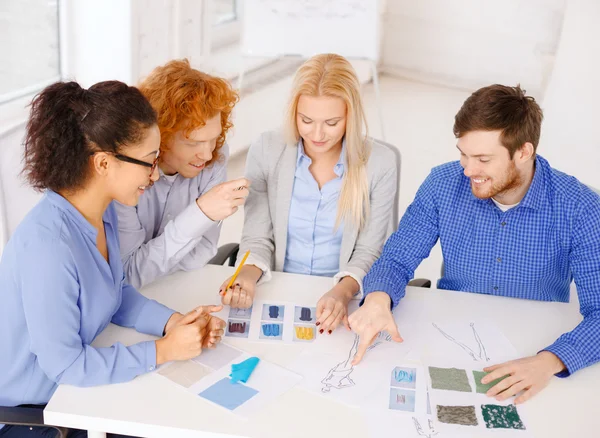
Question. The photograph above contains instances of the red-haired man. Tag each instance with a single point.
(175, 226)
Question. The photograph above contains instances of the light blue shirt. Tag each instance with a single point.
(313, 242)
(57, 293)
(167, 232)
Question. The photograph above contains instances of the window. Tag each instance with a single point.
(225, 11)
(226, 23)
(29, 47)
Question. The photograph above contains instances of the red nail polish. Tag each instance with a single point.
(321, 331)
(329, 332)
(318, 323)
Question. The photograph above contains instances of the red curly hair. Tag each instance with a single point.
(185, 98)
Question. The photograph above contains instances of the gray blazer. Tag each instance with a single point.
(271, 166)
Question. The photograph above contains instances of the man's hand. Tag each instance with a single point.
(373, 317)
(224, 199)
(529, 374)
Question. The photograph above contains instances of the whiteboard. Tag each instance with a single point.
(307, 27)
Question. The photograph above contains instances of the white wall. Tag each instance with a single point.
(96, 42)
(18, 197)
(571, 129)
(472, 43)
(100, 40)
(126, 39)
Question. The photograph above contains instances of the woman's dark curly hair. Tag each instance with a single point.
(67, 124)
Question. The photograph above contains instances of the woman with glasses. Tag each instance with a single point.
(61, 274)
(175, 226)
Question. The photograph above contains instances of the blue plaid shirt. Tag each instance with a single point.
(531, 251)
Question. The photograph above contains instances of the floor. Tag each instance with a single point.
(418, 119)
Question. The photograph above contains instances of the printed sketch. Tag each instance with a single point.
(430, 428)
(338, 377)
(480, 356)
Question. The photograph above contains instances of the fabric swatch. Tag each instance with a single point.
(501, 417)
(480, 387)
(451, 379)
(463, 415)
(240, 372)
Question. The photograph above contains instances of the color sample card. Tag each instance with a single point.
(269, 321)
(402, 400)
(408, 392)
(404, 378)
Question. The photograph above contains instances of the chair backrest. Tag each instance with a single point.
(396, 151)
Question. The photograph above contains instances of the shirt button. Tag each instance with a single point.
(503, 224)
(152, 368)
(499, 259)
(495, 287)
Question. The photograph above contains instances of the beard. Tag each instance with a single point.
(510, 180)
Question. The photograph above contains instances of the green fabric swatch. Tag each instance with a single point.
(480, 387)
(451, 379)
(501, 417)
(463, 415)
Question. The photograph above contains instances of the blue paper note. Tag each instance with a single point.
(228, 394)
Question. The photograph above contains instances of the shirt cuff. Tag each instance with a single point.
(153, 318)
(340, 275)
(568, 355)
(379, 285)
(192, 222)
(150, 347)
(266, 275)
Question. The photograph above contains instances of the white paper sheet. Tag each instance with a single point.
(472, 398)
(468, 343)
(208, 377)
(327, 369)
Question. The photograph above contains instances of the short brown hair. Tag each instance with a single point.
(185, 98)
(499, 107)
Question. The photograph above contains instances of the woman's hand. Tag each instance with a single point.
(241, 294)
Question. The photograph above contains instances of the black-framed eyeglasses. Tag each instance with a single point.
(127, 159)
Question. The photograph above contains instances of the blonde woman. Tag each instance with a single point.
(322, 194)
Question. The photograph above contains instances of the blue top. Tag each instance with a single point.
(313, 242)
(58, 293)
(531, 251)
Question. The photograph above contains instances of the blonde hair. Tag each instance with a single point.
(332, 75)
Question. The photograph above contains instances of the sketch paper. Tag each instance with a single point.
(469, 343)
(327, 366)
(394, 414)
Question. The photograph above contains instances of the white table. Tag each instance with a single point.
(153, 407)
